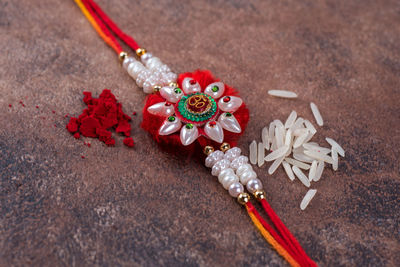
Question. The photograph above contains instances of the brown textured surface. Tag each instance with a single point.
(140, 206)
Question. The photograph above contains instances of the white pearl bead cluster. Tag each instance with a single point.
(149, 73)
(233, 171)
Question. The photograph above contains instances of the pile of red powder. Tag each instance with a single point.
(101, 115)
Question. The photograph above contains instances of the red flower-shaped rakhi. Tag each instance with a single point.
(193, 111)
(199, 108)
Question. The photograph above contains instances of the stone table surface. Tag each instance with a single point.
(142, 207)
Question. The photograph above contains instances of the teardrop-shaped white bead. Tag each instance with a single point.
(230, 103)
(214, 130)
(169, 126)
(229, 123)
(161, 109)
(215, 90)
(171, 94)
(189, 86)
(189, 135)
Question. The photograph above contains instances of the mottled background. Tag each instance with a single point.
(143, 207)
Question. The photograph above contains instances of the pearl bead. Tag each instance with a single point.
(213, 158)
(127, 61)
(225, 172)
(153, 62)
(219, 166)
(239, 161)
(236, 189)
(145, 57)
(247, 176)
(232, 153)
(147, 87)
(142, 77)
(243, 168)
(253, 185)
(228, 180)
(164, 68)
(171, 77)
(135, 68)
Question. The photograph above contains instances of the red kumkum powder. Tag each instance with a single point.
(102, 114)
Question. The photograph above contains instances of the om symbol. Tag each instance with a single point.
(198, 101)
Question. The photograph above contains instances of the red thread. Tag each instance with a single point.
(113, 27)
(287, 235)
(269, 228)
(102, 25)
(9, 105)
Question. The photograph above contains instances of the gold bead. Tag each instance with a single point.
(243, 198)
(225, 147)
(140, 52)
(208, 150)
(173, 84)
(259, 194)
(122, 56)
(157, 88)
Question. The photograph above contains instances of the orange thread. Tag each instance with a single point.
(281, 251)
(97, 27)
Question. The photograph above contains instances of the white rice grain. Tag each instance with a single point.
(274, 166)
(279, 135)
(298, 163)
(261, 154)
(298, 124)
(320, 169)
(291, 119)
(301, 157)
(335, 159)
(307, 198)
(265, 137)
(318, 155)
(282, 93)
(302, 177)
(300, 140)
(337, 147)
(288, 138)
(253, 152)
(310, 127)
(288, 170)
(316, 148)
(317, 114)
(313, 170)
(280, 152)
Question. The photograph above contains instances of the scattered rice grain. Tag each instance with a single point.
(320, 169)
(318, 155)
(313, 170)
(307, 198)
(275, 165)
(291, 119)
(337, 147)
(282, 93)
(261, 154)
(253, 152)
(297, 163)
(302, 177)
(288, 170)
(317, 114)
(280, 152)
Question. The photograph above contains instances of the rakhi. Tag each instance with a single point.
(195, 113)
